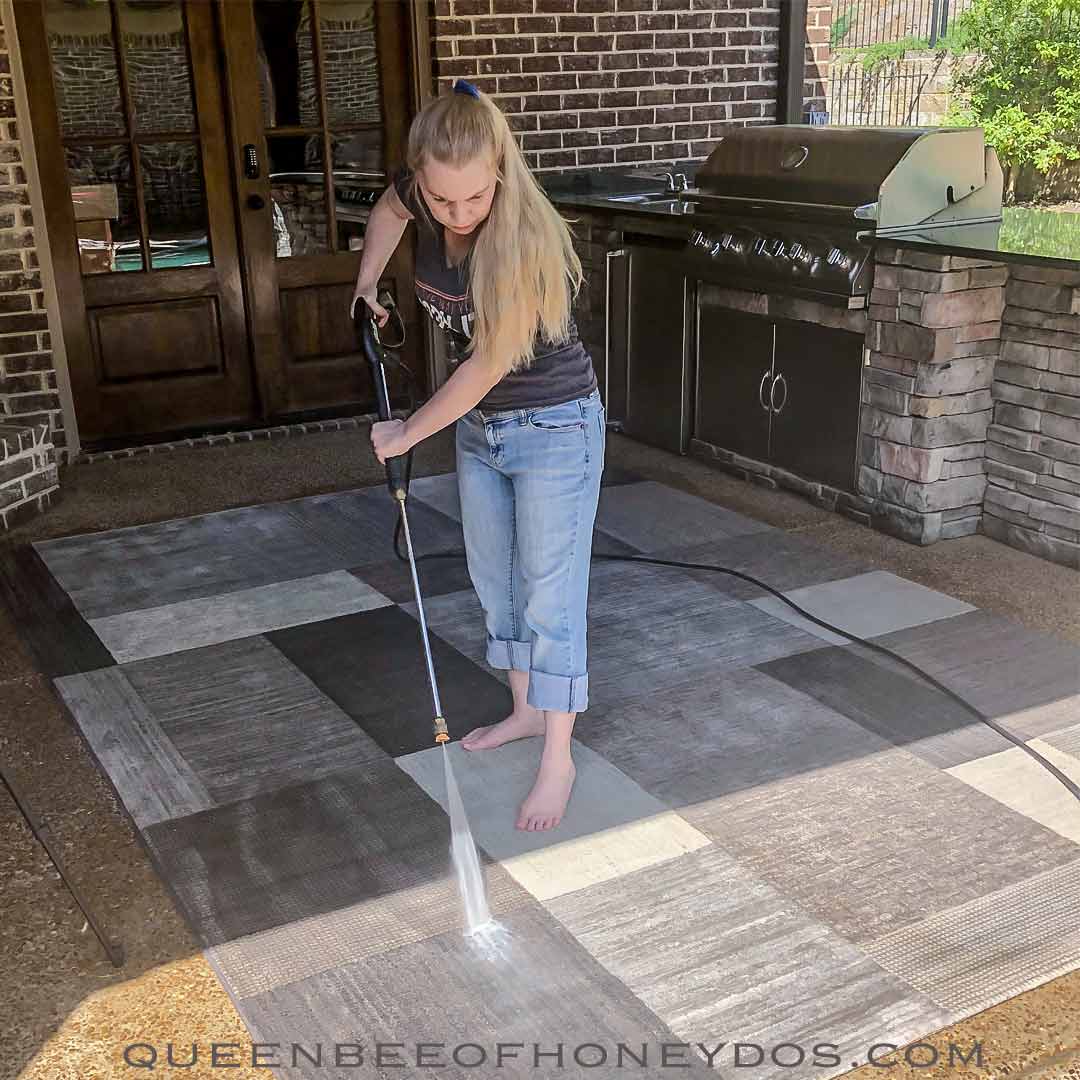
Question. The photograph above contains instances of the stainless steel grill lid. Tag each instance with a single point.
(897, 177)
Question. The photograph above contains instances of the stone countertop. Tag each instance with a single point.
(1040, 237)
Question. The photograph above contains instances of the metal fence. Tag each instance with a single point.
(858, 23)
(890, 97)
(908, 91)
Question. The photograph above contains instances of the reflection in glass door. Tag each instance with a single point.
(122, 74)
(320, 97)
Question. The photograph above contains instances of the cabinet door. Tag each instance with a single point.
(657, 348)
(734, 371)
(816, 428)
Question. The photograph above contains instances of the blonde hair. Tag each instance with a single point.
(523, 270)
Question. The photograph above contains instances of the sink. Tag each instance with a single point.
(641, 197)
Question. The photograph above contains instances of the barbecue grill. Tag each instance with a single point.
(793, 206)
(735, 309)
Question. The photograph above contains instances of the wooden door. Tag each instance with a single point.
(320, 103)
(205, 285)
(128, 117)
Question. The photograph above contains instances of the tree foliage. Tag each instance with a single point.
(1023, 87)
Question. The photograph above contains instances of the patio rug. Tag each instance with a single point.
(777, 837)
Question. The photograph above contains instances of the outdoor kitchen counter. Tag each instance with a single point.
(1037, 237)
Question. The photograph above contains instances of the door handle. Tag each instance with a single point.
(761, 388)
(772, 389)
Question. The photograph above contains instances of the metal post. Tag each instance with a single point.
(935, 19)
(792, 64)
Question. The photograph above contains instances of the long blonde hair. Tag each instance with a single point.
(523, 270)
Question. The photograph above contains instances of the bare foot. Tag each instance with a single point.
(517, 725)
(544, 806)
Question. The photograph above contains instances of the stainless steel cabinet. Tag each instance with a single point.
(778, 391)
(814, 429)
(734, 371)
(613, 377)
(658, 347)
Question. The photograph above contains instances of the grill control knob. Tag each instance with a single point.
(839, 259)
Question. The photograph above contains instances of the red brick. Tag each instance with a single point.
(484, 27)
(658, 133)
(710, 112)
(635, 5)
(593, 43)
(596, 80)
(556, 158)
(515, 45)
(656, 97)
(539, 63)
(676, 114)
(634, 78)
(656, 22)
(557, 121)
(457, 67)
(472, 7)
(536, 25)
(521, 84)
(633, 117)
(691, 94)
(553, 7)
(598, 118)
(619, 99)
(622, 61)
(698, 20)
(744, 37)
(699, 58)
(620, 23)
(671, 151)
(728, 93)
(501, 65)
(691, 131)
(673, 41)
(761, 91)
(709, 39)
(551, 140)
(581, 101)
(731, 20)
(595, 5)
(513, 7)
(554, 44)
(747, 108)
(656, 59)
(580, 138)
(577, 24)
(743, 74)
(598, 156)
(701, 149)
(564, 81)
(633, 41)
(678, 76)
(633, 153)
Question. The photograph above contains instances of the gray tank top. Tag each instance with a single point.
(560, 371)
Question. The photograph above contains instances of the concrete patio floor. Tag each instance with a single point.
(68, 1012)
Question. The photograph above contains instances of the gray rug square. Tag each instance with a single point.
(992, 948)
(1066, 739)
(676, 631)
(1028, 681)
(885, 697)
(246, 720)
(733, 732)
(146, 566)
(871, 845)
(1017, 779)
(867, 606)
(717, 952)
(611, 826)
(653, 517)
(274, 958)
(358, 526)
(781, 560)
(451, 1001)
(302, 851)
(152, 779)
(189, 624)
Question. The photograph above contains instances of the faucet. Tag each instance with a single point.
(676, 181)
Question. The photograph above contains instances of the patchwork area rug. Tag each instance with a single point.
(777, 837)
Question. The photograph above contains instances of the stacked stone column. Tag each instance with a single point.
(927, 400)
(1033, 446)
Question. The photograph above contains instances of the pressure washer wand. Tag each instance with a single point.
(395, 478)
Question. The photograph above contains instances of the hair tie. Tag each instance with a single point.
(463, 87)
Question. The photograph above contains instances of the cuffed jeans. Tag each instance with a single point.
(529, 482)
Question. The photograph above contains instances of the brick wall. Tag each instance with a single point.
(933, 335)
(615, 82)
(1033, 445)
(971, 404)
(31, 426)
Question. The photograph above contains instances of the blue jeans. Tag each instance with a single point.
(529, 481)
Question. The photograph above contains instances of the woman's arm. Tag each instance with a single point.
(460, 393)
(386, 225)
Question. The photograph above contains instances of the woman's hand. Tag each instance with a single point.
(389, 439)
(367, 293)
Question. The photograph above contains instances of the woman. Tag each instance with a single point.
(496, 268)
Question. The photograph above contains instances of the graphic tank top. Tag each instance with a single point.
(560, 371)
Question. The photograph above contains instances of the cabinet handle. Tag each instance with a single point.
(779, 379)
(616, 253)
(761, 389)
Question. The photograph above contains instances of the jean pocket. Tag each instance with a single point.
(567, 417)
